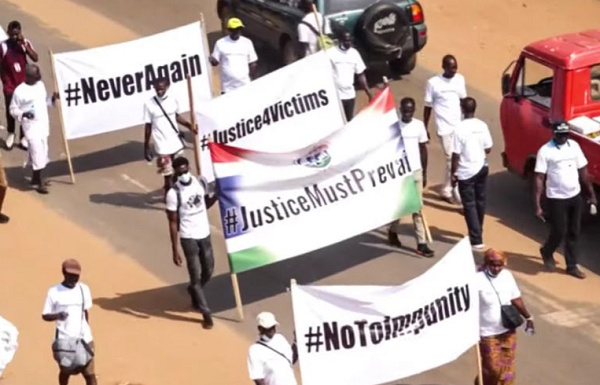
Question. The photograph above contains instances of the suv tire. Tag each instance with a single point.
(404, 65)
(383, 27)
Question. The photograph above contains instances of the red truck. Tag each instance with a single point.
(553, 79)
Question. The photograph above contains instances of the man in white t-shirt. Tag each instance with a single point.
(310, 28)
(443, 94)
(415, 141)
(236, 56)
(161, 118)
(8, 343)
(271, 358)
(29, 105)
(563, 166)
(187, 211)
(68, 304)
(472, 143)
(348, 64)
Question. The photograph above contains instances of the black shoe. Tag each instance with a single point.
(425, 251)
(575, 272)
(549, 262)
(41, 189)
(4, 219)
(208, 321)
(393, 239)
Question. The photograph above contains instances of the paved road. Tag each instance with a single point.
(117, 197)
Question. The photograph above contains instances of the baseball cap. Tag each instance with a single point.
(71, 266)
(560, 128)
(234, 23)
(266, 320)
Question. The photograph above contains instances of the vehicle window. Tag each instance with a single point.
(289, 3)
(336, 6)
(595, 82)
(535, 82)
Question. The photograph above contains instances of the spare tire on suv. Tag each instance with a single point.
(383, 28)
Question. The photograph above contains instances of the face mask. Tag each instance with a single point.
(185, 178)
(265, 338)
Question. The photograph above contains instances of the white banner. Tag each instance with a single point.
(367, 335)
(3, 35)
(104, 89)
(283, 111)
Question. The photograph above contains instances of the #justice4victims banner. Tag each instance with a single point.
(278, 206)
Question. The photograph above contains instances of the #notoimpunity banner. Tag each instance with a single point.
(283, 111)
(104, 89)
(368, 335)
(278, 206)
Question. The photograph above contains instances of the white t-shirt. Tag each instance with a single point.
(193, 218)
(471, 138)
(443, 95)
(490, 315)
(263, 363)
(561, 165)
(413, 134)
(61, 298)
(308, 36)
(32, 99)
(166, 140)
(8, 343)
(234, 57)
(346, 64)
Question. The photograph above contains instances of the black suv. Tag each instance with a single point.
(391, 31)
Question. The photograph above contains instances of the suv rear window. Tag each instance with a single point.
(336, 6)
(595, 82)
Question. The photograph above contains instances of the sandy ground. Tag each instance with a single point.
(150, 336)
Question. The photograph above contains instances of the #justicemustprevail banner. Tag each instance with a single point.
(368, 335)
(104, 89)
(278, 206)
(283, 111)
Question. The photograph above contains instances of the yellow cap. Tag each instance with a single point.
(234, 23)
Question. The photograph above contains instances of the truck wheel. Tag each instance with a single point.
(403, 66)
(289, 52)
(383, 26)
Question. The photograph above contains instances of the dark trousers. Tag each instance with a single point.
(200, 264)
(472, 193)
(565, 223)
(348, 105)
(10, 121)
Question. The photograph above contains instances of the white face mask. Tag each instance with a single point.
(265, 338)
(185, 178)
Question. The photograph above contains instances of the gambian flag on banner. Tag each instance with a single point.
(276, 206)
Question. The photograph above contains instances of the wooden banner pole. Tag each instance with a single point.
(479, 365)
(207, 64)
(193, 122)
(238, 298)
(426, 225)
(61, 120)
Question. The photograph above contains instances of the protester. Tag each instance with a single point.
(68, 304)
(312, 25)
(271, 358)
(347, 63)
(161, 113)
(472, 143)
(443, 94)
(13, 59)
(29, 106)
(3, 188)
(187, 205)
(236, 57)
(563, 166)
(415, 141)
(8, 343)
(497, 289)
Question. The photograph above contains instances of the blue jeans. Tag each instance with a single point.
(200, 264)
(472, 193)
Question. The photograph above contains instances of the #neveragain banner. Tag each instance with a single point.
(283, 111)
(368, 335)
(278, 206)
(104, 89)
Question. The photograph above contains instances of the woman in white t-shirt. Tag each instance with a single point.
(497, 288)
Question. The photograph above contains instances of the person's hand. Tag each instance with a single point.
(194, 129)
(147, 155)
(454, 180)
(28, 115)
(55, 96)
(539, 213)
(369, 96)
(21, 39)
(63, 315)
(213, 61)
(424, 180)
(177, 259)
(530, 326)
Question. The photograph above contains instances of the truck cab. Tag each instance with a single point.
(556, 79)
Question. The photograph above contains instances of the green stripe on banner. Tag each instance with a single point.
(410, 201)
(250, 258)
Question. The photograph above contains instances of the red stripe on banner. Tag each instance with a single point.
(221, 153)
(383, 101)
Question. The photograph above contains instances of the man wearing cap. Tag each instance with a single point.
(271, 358)
(236, 57)
(563, 166)
(67, 304)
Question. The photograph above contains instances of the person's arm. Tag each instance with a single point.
(210, 200)
(424, 159)
(584, 177)
(520, 305)
(49, 314)
(453, 168)
(541, 167)
(147, 133)
(216, 55)
(364, 85)
(252, 60)
(185, 123)
(174, 235)
(303, 47)
(16, 111)
(28, 48)
(488, 142)
(260, 382)
(360, 70)
(256, 368)
(428, 105)
(462, 92)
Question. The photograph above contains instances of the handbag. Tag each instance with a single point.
(510, 315)
(73, 352)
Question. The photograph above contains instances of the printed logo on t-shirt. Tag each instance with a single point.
(194, 201)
